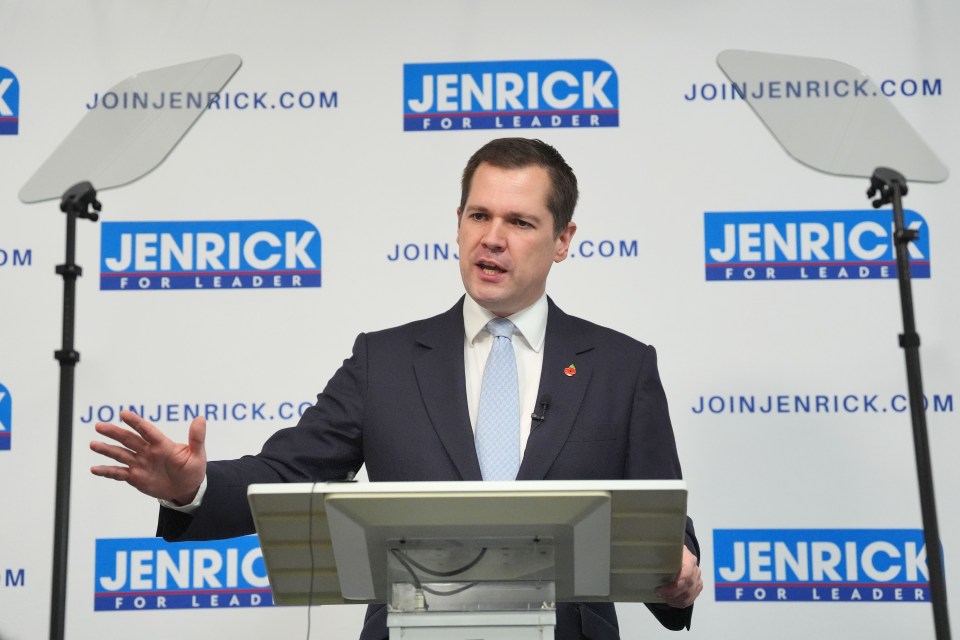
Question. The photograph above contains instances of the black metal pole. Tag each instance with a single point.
(891, 187)
(75, 203)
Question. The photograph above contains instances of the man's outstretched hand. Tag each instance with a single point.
(150, 461)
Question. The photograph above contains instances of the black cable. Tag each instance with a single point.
(313, 489)
(447, 574)
(413, 574)
(452, 592)
(409, 564)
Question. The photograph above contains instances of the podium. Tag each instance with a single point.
(470, 560)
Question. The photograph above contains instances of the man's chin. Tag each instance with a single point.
(493, 303)
(487, 302)
(501, 307)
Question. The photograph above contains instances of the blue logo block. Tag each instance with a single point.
(9, 103)
(825, 565)
(517, 94)
(233, 254)
(809, 245)
(6, 419)
(149, 573)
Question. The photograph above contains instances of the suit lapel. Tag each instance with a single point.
(440, 376)
(565, 345)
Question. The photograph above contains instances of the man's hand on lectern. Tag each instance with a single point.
(686, 586)
(152, 462)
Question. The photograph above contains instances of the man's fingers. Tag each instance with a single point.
(680, 603)
(113, 473)
(687, 597)
(196, 437)
(127, 438)
(680, 598)
(121, 455)
(687, 585)
(146, 430)
(672, 591)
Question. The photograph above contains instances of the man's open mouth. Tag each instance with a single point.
(490, 269)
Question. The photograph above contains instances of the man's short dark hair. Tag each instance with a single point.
(517, 153)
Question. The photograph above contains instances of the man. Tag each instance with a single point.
(407, 402)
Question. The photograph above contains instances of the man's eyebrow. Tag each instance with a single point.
(511, 215)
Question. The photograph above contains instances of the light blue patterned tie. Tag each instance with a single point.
(498, 421)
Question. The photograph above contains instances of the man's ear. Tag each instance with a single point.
(563, 242)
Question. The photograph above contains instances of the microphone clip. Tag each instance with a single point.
(538, 418)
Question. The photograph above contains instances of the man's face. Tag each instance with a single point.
(506, 239)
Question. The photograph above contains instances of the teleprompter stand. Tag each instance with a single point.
(108, 148)
(80, 201)
(860, 135)
(889, 187)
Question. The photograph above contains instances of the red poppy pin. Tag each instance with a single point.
(571, 370)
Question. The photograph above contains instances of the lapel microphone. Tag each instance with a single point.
(537, 418)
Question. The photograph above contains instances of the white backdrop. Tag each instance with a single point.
(367, 186)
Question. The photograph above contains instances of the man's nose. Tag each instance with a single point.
(494, 238)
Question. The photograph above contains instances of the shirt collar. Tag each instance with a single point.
(531, 322)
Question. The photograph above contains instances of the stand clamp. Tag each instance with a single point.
(78, 198)
(882, 182)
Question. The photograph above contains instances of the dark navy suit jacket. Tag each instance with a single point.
(399, 405)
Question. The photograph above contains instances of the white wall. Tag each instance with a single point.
(367, 185)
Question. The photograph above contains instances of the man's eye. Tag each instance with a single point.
(522, 223)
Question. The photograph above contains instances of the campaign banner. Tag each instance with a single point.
(809, 245)
(514, 94)
(9, 103)
(6, 419)
(150, 573)
(820, 565)
(221, 254)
